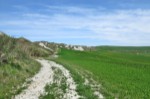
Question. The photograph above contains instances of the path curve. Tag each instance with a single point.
(39, 81)
(44, 77)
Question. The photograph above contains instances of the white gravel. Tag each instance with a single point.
(43, 45)
(78, 48)
(44, 77)
(71, 89)
(39, 81)
(95, 87)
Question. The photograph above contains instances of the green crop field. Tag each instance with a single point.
(123, 72)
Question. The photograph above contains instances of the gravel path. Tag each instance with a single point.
(44, 77)
(71, 89)
(39, 81)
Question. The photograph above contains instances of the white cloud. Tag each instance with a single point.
(75, 10)
(129, 27)
(35, 15)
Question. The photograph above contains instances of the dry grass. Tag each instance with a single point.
(17, 63)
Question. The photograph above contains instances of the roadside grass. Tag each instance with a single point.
(82, 89)
(13, 76)
(58, 87)
(122, 74)
(17, 64)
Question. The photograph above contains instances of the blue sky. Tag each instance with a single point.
(81, 22)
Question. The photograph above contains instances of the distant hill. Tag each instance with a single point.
(1, 33)
(55, 46)
(138, 50)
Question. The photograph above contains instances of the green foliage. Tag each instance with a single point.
(17, 63)
(83, 90)
(58, 88)
(122, 73)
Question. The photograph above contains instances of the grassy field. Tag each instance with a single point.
(123, 72)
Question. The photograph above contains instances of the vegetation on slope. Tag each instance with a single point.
(122, 73)
(17, 63)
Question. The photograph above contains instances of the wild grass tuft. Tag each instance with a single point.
(17, 63)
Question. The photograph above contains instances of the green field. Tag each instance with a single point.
(123, 72)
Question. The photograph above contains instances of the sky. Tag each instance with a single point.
(78, 22)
